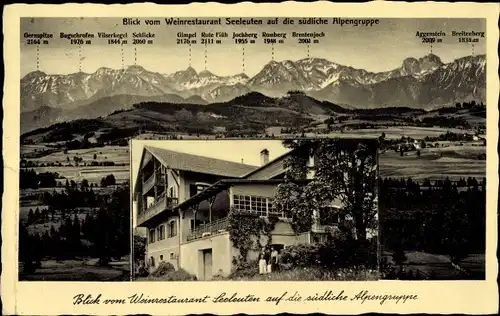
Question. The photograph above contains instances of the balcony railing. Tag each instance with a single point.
(148, 184)
(214, 228)
(161, 204)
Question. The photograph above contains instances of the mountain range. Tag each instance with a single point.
(422, 83)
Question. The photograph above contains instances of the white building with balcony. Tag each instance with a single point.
(183, 200)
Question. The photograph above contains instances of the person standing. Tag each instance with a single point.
(267, 256)
(274, 259)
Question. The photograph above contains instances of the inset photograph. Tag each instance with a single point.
(74, 209)
(255, 210)
(74, 218)
(433, 206)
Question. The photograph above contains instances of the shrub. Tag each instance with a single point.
(336, 254)
(219, 276)
(315, 274)
(179, 275)
(176, 275)
(245, 269)
(103, 262)
(302, 255)
(399, 256)
(163, 269)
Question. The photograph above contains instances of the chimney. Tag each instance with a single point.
(264, 157)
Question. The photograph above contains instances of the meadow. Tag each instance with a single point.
(436, 266)
(297, 274)
(91, 174)
(80, 270)
(63, 163)
(391, 132)
(116, 154)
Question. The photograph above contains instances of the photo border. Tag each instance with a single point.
(49, 298)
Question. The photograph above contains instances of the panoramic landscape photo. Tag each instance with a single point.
(79, 112)
(433, 208)
(74, 219)
(335, 87)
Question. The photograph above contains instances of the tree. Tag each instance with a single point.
(45, 214)
(85, 183)
(344, 169)
(398, 255)
(52, 231)
(455, 228)
(28, 253)
(139, 248)
(36, 215)
(418, 153)
(31, 217)
(108, 180)
(95, 156)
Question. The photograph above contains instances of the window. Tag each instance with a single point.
(160, 232)
(329, 215)
(193, 224)
(200, 187)
(151, 236)
(172, 256)
(172, 229)
(161, 257)
(197, 188)
(262, 206)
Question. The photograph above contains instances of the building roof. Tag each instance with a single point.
(195, 163)
(275, 160)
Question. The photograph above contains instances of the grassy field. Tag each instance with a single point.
(394, 132)
(454, 162)
(298, 274)
(80, 270)
(315, 274)
(92, 174)
(440, 265)
(116, 154)
(27, 149)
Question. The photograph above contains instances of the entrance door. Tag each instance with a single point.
(207, 264)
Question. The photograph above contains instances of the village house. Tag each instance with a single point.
(183, 200)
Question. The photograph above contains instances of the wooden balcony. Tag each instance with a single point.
(161, 204)
(148, 184)
(217, 227)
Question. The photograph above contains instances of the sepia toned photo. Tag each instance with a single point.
(433, 185)
(292, 210)
(433, 208)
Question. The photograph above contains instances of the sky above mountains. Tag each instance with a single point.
(377, 48)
